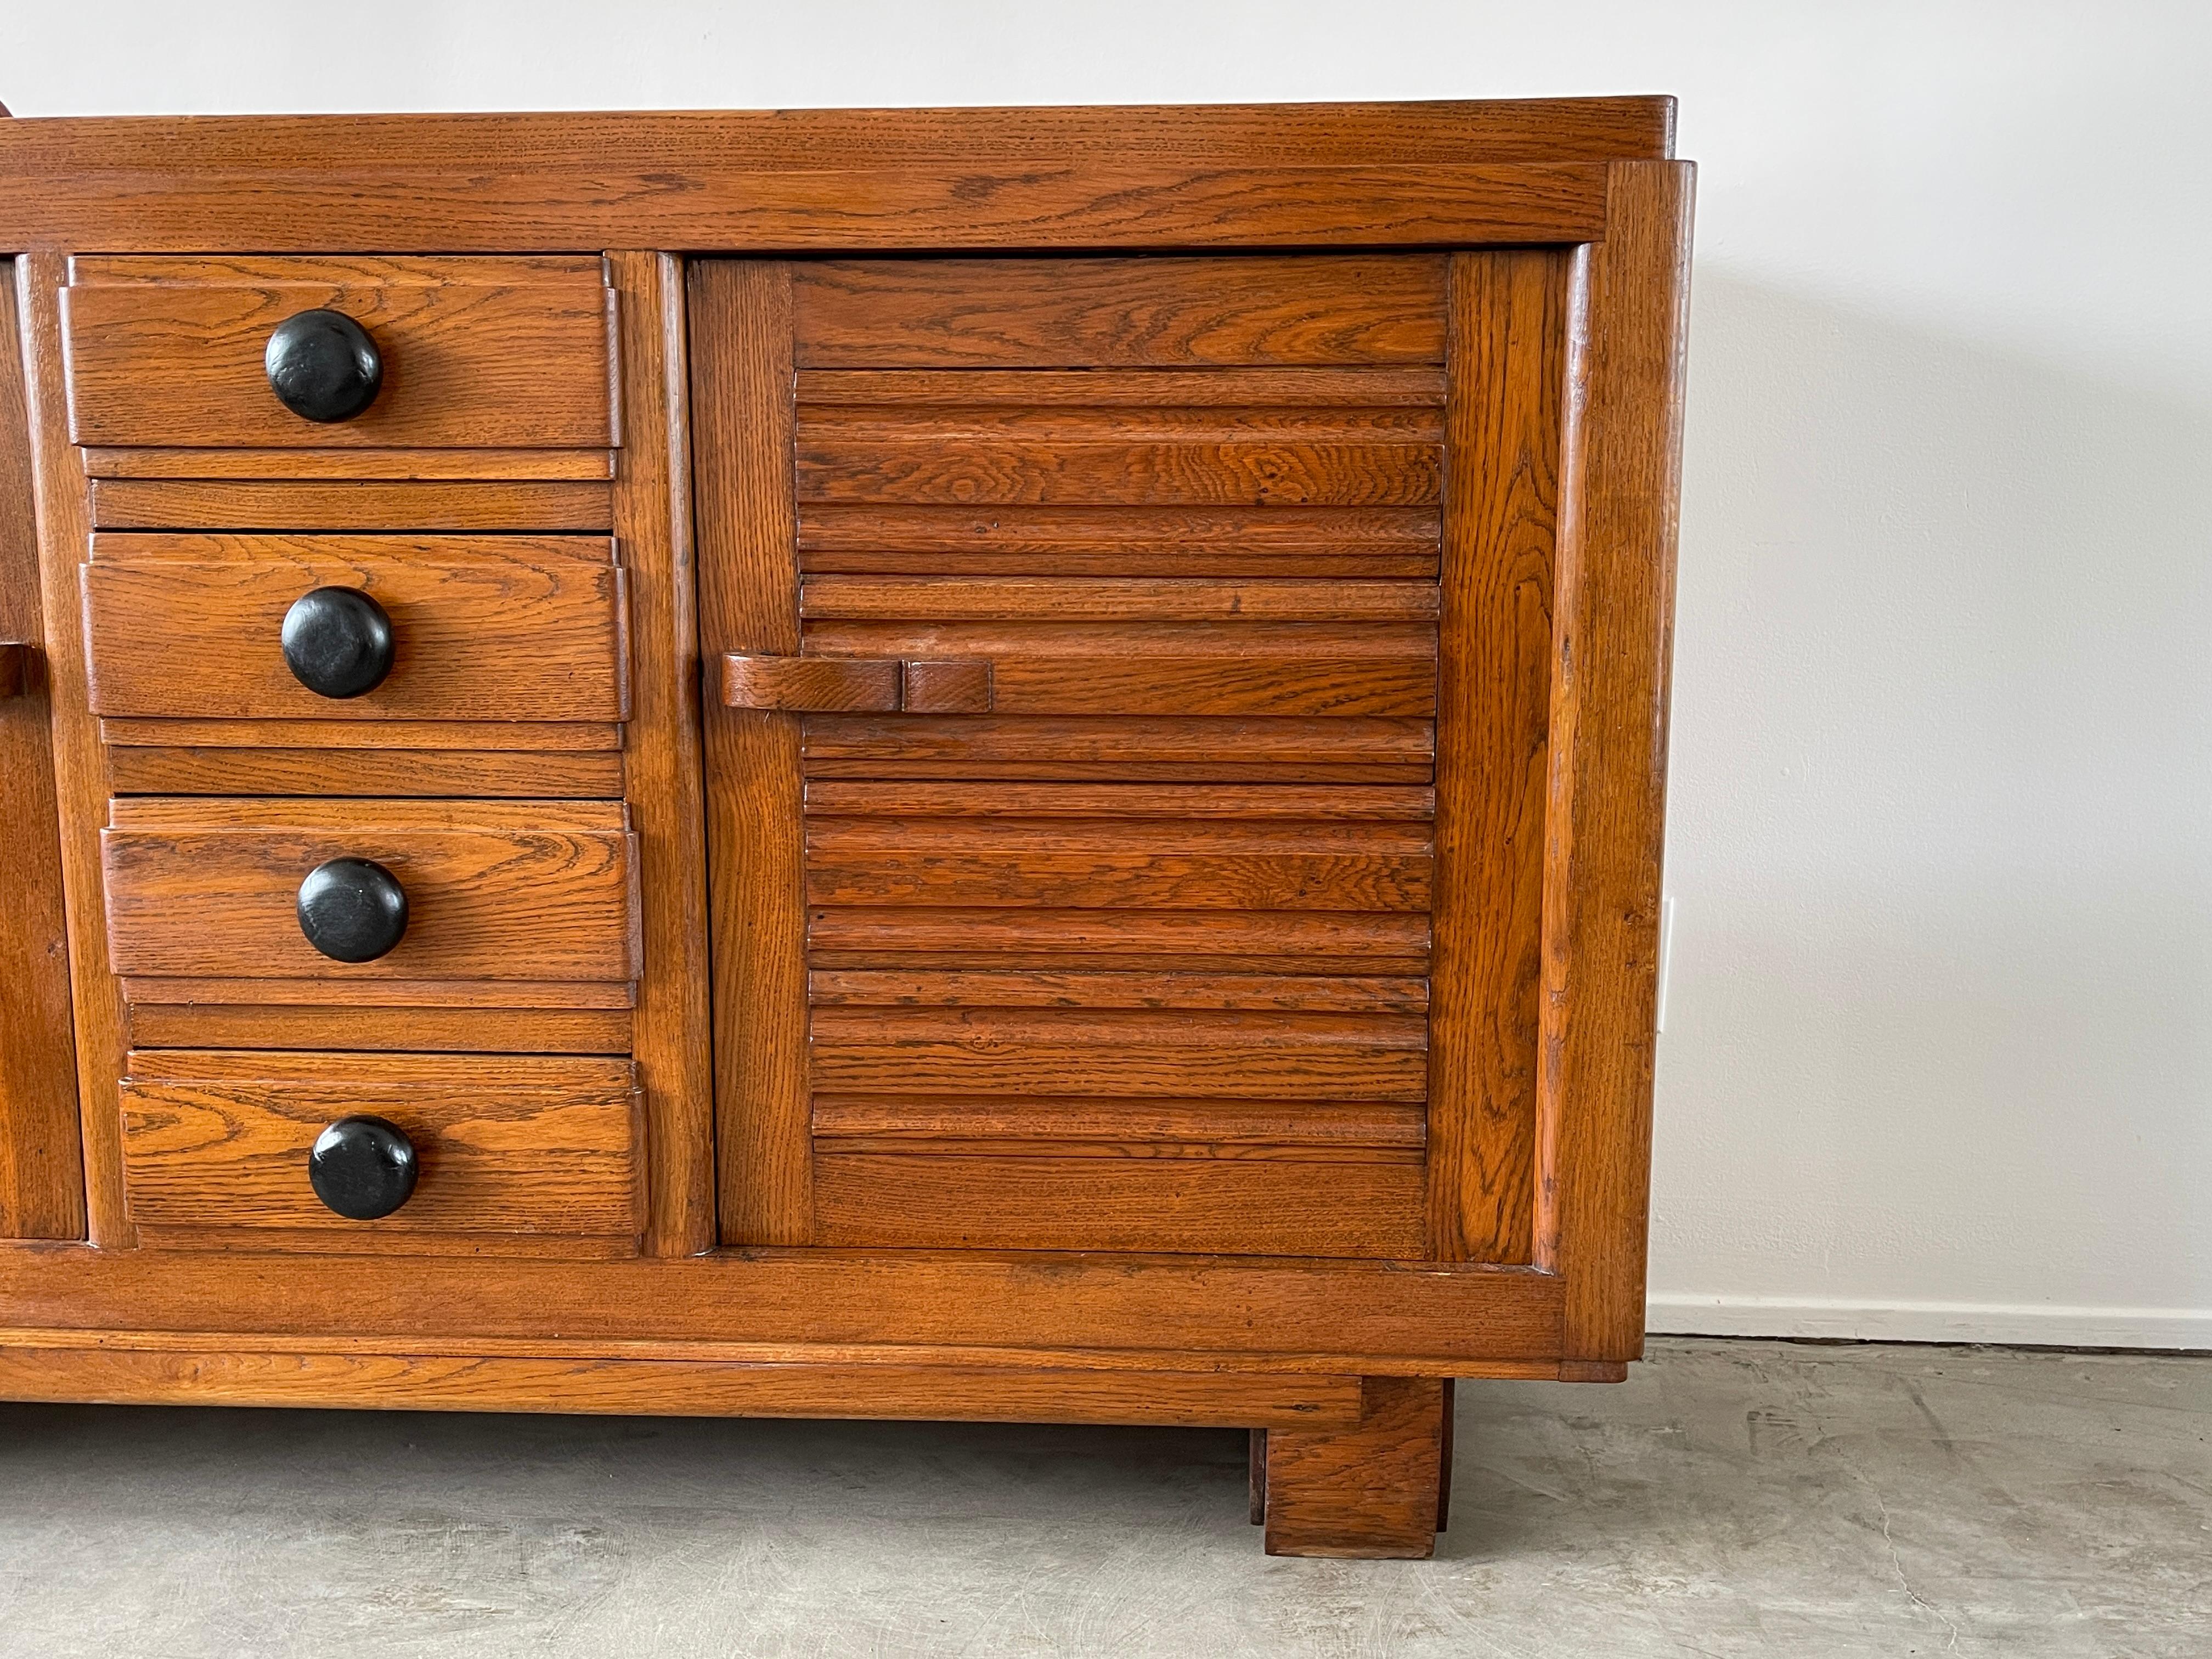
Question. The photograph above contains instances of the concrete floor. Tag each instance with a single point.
(1734, 1497)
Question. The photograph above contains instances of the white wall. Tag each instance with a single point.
(1938, 1059)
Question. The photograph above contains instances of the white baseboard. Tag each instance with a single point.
(1930, 1321)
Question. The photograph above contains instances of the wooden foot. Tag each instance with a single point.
(1375, 1492)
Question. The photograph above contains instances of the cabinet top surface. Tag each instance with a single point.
(1010, 178)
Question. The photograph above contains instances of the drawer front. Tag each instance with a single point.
(483, 628)
(474, 353)
(523, 1155)
(495, 891)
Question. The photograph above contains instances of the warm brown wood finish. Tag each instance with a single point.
(483, 627)
(740, 324)
(54, 1368)
(1025, 747)
(1614, 635)
(1369, 176)
(80, 780)
(216, 1141)
(478, 354)
(674, 1030)
(168, 504)
(1510, 323)
(496, 889)
(374, 465)
(1366, 1492)
(1371, 1317)
(42, 1161)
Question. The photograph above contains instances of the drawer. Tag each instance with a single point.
(512, 1156)
(470, 353)
(535, 890)
(472, 628)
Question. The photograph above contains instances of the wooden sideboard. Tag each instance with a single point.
(977, 763)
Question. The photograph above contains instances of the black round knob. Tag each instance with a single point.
(337, 641)
(323, 366)
(353, 910)
(362, 1168)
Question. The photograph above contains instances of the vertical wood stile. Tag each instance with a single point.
(670, 1029)
(742, 429)
(80, 777)
(1507, 341)
(1612, 643)
(42, 1157)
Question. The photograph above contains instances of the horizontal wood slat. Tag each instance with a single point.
(497, 737)
(483, 627)
(173, 504)
(1222, 865)
(880, 393)
(388, 993)
(1224, 940)
(1242, 1205)
(477, 353)
(1018, 472)
(1316, 1124)
(829, 797)
(1294, 993)
(924, 598)
(1022, 314)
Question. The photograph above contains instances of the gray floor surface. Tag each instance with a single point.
(1733, 1498)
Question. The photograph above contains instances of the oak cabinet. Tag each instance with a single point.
(998, 764)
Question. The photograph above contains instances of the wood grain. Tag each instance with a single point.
(740, 330)
(459, 774)
(1043, 473)
(226, 504)
(788, 685)
(1247, 1205)
(1509, 329)
(662, 761)
(375, 465)
(935, 1393)
(1327, 1127)
(414, 993)
(1285, 941)
(1287, 993)
(483, 627)
(207, 1024)
(477, 353)
(1367, 1493)
(219, 1139)
(1434, 1319)
(945, 598)
(1399, 398)
(80, 780)
(1204, 864)
(829, 797)
(498, 737)
(1613, 635)
(1117, 1053)
(41, 1154)
(1033, 313)
(496, 889)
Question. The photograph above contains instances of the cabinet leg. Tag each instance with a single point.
(1373, 1491)
(1256, 1474)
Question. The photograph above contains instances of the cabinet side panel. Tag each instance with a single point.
(1605, 830)
(80, 781)
(1508, 346)
(741, 418)
(661, 760)
(41, 1164)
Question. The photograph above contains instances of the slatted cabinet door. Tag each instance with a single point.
(1073, 793)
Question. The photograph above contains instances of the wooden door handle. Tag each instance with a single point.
(17, 660)
(858, 685)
